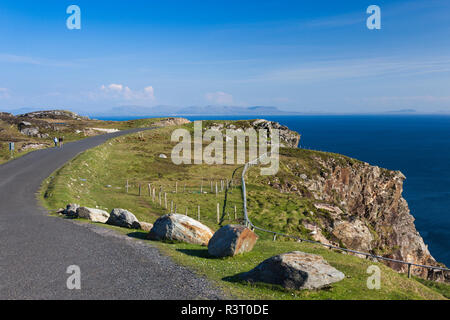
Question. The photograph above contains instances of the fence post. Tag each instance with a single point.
(127, 186)
(149, 189)
(198, 213)
(235, 213)
(216, 189)
(186, 211)
(139, 189)
(409, 270)
(218, 213)
(160, 204)
(176, 187)
(165, 200)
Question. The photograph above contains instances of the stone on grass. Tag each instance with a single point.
(231, 240)
(71, 210)
(295, 270)
(122, 218)
(145, 226)
(95, 215)
(180, 228)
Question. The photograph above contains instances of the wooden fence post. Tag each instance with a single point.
(235, 213)
(218, 213)
(139, 189)
(149, 189)
(176, 187)
(165, 200)
(127, 186)
(198, 213)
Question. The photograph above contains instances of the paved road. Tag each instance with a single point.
(36, 249)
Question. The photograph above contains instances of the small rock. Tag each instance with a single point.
(163, 156)
(95, 215)
(122, 218)
(231, 240)
(181, 228)
(295, 270)
(71, 210)
(145, 226)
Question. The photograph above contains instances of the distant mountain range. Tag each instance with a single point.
(163, 110)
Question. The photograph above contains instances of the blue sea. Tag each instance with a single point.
(419, 146)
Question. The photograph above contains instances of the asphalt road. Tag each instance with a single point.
(36, 249)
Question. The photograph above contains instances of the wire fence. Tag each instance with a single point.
(249, 224)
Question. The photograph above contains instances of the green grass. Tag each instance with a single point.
(97, 178)
(10, 133)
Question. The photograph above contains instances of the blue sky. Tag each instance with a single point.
(304, 56)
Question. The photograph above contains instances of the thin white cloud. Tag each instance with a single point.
(355, 68)
(4, 93)
(219, 97)
(121, 92)
(18, 59)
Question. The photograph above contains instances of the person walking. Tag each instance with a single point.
(55, 140)
(61, 139)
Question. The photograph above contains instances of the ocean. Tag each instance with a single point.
(419, 146)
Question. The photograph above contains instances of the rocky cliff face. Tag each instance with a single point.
(364, 210)
(53, 114)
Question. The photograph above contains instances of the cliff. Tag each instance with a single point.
(357, 205)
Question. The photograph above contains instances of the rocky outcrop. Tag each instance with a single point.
(361, 207)
(95, 215)
(288, 138)
(53, 114)
(122, 218)
(295, 270)
(172, 122)
(231, 240)
(182, 228)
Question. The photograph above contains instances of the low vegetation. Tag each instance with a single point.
(99, 178)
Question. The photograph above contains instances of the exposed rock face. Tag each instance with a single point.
(231, 240)
(180, 228)
(288, 138)
(172, 122)
(53, 114)
(122, 218)
(295, 270)
(365, 209)
(95, 215)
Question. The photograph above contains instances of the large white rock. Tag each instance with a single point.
(95, 215)
(295, 270)
(122, 218)
(181, 228)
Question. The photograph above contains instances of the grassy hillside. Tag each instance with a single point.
(98, 178)
(70, 129)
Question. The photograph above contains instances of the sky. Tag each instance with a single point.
(303, 56)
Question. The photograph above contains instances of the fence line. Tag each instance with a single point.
(249, 223)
